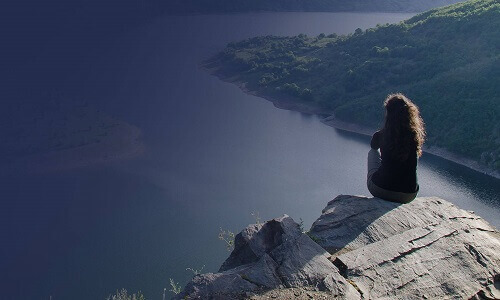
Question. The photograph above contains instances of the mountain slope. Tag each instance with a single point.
(225, 6)
(446, 60)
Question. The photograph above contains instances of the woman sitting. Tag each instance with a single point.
(392, 172)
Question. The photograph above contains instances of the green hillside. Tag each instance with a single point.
(225, 6)
(446, 60)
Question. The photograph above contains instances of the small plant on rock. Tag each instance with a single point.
(301, 225)
(195, 272)
(228, 238)
(123, 295)
(176, 288)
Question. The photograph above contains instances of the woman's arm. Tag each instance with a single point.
(375, 142)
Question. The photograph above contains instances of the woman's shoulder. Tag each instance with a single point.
(376, 138)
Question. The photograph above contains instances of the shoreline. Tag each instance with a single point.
(433, 150)
(331, 121)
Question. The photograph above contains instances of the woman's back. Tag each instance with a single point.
(394, 174)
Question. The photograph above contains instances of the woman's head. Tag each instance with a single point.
(403, 127)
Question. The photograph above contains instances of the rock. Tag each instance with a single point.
(302, 262)
(256, 239)
(427, 248)
(295, 293)
(436, 261)
(349, 222)
(234, 283)
(268, 256)
(217, 286)
(337, 285)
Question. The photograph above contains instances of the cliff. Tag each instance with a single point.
(362, 248)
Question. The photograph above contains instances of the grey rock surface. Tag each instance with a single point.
(337, 285)
(256, 239)
(268, 256)
(349, 222)
(425, 249)
(234, 283)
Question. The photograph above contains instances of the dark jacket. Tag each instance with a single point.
(394, 175)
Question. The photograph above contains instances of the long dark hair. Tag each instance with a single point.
(403, 131)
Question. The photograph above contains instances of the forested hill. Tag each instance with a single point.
(225, 6)
(446, 60)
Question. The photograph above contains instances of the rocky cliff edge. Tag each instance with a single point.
(362, 248)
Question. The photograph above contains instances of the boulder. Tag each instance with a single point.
(234, 283)
(425, 249)
(276, 254)
(349, 222)
(256, 239)
(428, 248)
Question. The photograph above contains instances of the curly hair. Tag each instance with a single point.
(404, 130)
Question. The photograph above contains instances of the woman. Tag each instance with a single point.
(392, 173)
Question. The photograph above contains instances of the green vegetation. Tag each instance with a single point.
(228, 238)
(446, 60)
(301, 226)
(123, 295)
(224, 6)
(175, 287)
(196, 271)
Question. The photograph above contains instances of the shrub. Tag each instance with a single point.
(123, 295)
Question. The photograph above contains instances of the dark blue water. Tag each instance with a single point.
(214, 156)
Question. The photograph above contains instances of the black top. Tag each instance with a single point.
(393, 175)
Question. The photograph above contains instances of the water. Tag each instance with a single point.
(214, 156)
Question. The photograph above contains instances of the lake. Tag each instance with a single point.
(215, 158)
